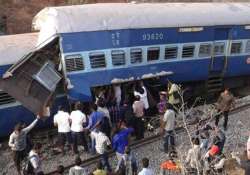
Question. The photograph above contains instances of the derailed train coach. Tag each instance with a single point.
(205, 45)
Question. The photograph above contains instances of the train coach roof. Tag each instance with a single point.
(111, 16)
(14, 47)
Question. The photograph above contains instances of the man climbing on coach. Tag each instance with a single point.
(174, 96)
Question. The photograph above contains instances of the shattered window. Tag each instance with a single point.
(47, 76)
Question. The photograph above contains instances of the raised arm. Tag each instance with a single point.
(55, 121)
(32, 125)
(11, 141)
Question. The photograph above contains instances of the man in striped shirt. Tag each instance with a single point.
(102, 144)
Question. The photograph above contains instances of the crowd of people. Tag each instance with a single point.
(206, 155)
(108, 123)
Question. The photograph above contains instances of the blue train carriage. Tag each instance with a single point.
(206, 45)
(13, 49)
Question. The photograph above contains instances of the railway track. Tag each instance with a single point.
(147, 140)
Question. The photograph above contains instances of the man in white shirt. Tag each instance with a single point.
(106, 121)
(167, 127)
(18, 142)
(35, 159)
(78, 119)
(62, 121)
(77, 169)
(102, 143)
(138, 109)
(194, 155)
(141, 91)
(117, 93)
(145, 170)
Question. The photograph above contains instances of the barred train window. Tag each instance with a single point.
(188, 51)
(248, 47)
(5, 98)
(74, 63)
(205, 50)
(171, 52)
(136, 55)
(219, 48)
(97, 60)
(153, 53)
(236, 48)
(118, 57)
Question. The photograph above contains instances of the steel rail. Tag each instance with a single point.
(145, 141)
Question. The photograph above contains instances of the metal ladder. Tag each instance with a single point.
(215, 79)
(214, 83)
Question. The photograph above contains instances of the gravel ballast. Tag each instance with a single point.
(237, 135)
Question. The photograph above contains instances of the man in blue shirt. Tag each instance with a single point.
(121, 139)
(95, 119)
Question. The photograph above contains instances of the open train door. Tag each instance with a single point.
(220, 49)
(34, 78)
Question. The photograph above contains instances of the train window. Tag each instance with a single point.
(205, 50)
(74, 63)
(236, 47)
(188, 51)
(136, 56)
(118, 57)
(153, 53)
(5, 98)
(47, 76)
(97, 60)
(248, 47)
(171, 52)
(219, 48)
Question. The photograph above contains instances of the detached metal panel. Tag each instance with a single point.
(26, 83)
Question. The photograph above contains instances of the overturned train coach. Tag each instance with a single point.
(202, 45)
